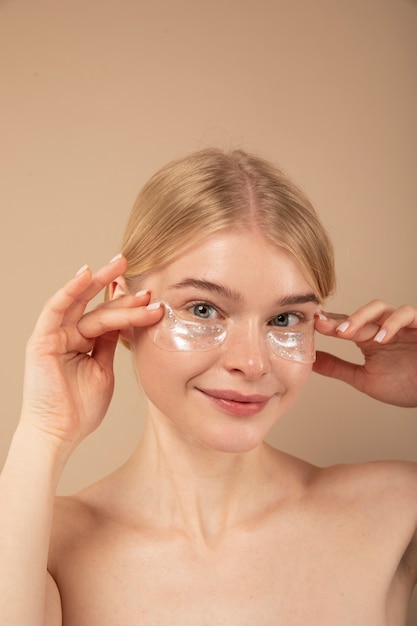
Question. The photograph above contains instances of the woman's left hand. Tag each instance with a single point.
(387, 338)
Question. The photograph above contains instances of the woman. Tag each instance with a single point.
(218, 291)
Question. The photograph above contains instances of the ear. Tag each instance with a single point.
(117, 289)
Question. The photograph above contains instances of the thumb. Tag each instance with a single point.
(104, 349)
(329, 365)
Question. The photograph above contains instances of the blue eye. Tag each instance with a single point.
(203, 311)
(285, 320)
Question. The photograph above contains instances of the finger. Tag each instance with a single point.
(378, 321)
(362, 325)
(373, 312)
(326, 323)
(101, 279)
(104, 349)
(141, 298)
(56, 307)
(341, 326)
(109, 318)
(403, 317)
(332, 366)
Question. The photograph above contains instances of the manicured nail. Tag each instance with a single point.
(153, 306)
(322, 316)
(380, 336)
(141, 293)
(116, 258)
(343, 327)
(82, 269)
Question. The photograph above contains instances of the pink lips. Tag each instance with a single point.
(236, 403)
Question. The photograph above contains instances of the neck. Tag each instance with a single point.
(197, 490)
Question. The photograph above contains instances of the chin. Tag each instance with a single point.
(237, 440)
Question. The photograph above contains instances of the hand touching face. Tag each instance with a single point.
(387, 338)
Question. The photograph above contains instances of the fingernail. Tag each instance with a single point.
(322, 316)
(380, 336)
(116, 258)
(343, 327)
(141, 293)
(153, 306)
(82, 269)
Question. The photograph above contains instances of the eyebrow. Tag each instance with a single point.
(222, 290)
(299, 299)
(207, 285)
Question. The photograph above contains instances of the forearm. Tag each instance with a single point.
(27, 489)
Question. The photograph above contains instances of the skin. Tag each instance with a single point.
(205, 523)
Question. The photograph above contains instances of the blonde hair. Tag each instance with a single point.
(210, 190)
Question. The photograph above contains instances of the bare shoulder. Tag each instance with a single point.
(389, 483)
(383, 495)
(82, 533)
(396, 481)
(73, 519)
(84, 510)
(76, 519)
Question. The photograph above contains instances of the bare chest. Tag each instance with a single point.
(290, 576)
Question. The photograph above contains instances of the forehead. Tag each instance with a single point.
(246, 263)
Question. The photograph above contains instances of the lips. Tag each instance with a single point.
(236, 403)
(235, 396)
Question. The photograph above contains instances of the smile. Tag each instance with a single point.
(236, 403)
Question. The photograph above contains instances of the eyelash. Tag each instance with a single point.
(193, 305)
(300, 316)
(300, 319)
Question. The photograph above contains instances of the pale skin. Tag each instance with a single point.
(205, 524)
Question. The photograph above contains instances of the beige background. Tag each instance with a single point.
(95, 95)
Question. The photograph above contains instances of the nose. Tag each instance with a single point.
(245, 350)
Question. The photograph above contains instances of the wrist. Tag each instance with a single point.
(40, 451)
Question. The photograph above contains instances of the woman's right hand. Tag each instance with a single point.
(69, 376)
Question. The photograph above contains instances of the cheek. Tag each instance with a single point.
(299, 375)
(291, 375)
(300, 371)
(166, 372)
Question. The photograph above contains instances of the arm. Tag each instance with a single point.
(387, 338)
(67, 389)
(27, 488)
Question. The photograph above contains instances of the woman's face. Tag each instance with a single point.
(226, 398)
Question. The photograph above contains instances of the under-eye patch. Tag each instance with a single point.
(176, 333)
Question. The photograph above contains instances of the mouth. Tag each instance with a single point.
(236, 403)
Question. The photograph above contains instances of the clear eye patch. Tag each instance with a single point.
(176, 333)
(293, 345)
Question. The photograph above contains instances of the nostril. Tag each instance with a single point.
(249, 356)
